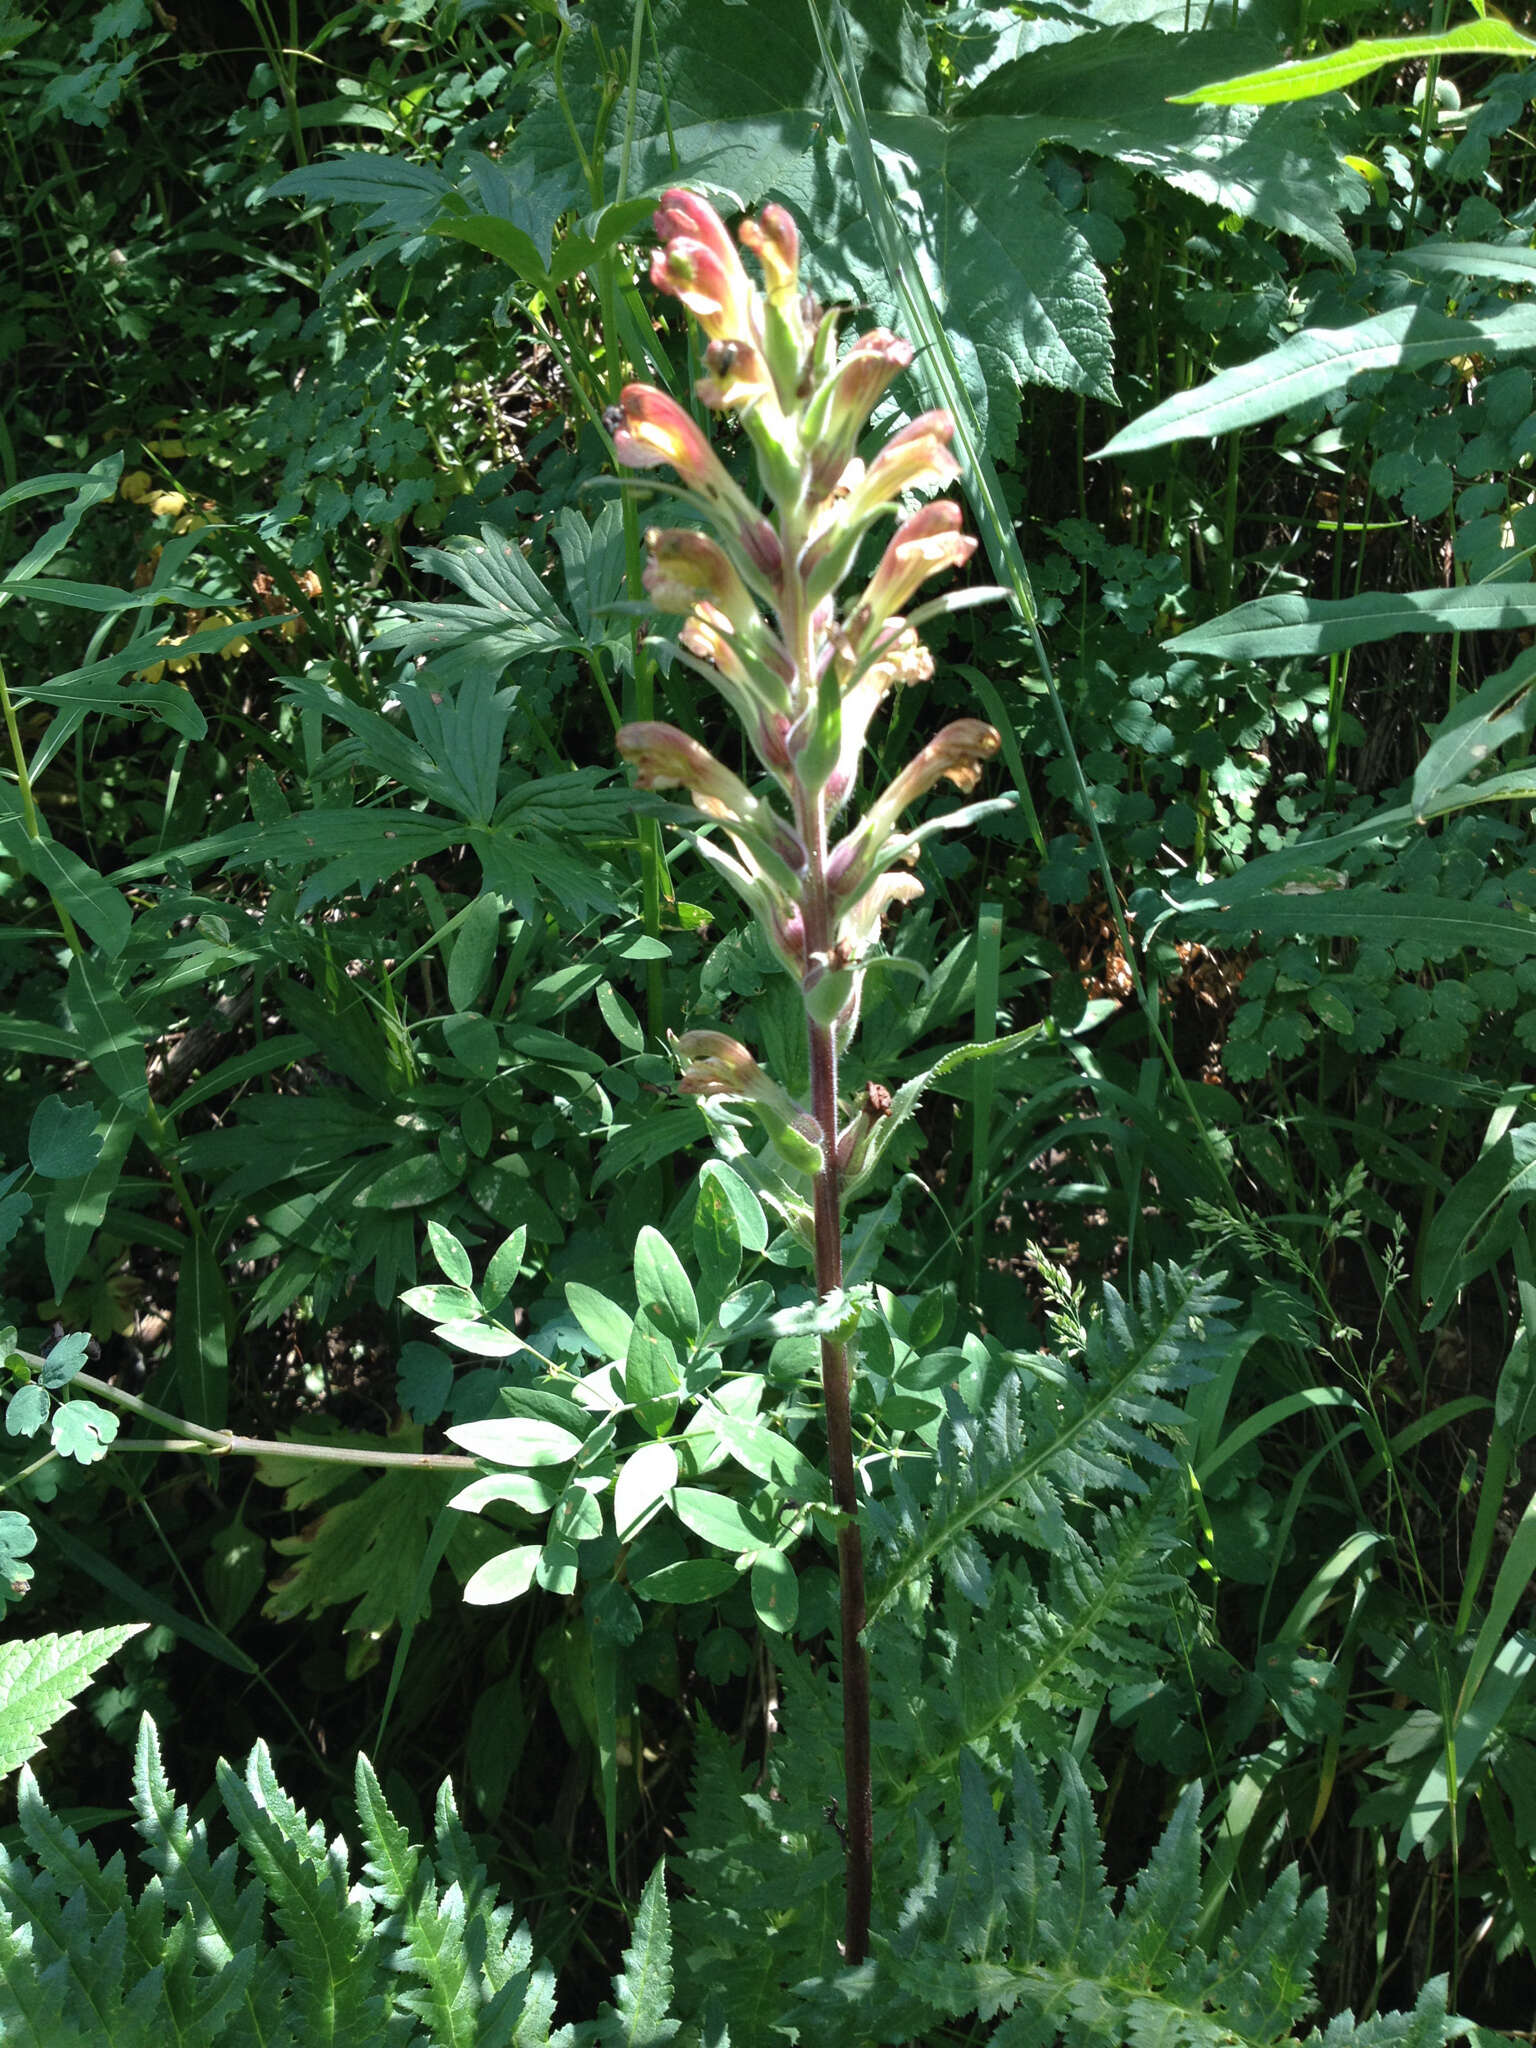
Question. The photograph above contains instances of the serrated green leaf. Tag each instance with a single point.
(908, 1096)
(642, 1990)
(39, 1680)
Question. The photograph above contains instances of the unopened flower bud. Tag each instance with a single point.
(775, 242)
(651, 431)
(698, 264)
(684, 566)
(829, 987)
(839, 412)
(926, 543)
(853, 1139)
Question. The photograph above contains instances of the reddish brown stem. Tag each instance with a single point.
(836, 1396)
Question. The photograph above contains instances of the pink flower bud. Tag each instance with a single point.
(957, 754)
(774, 240)
(651, 431)
(840, 410)
(699, 265)
(928, 542)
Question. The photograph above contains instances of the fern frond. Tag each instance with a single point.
(335, 1992)
(1022, 1929)
(39, 1679)
(640, 2015)
(989, 1679)
(1055, 1431)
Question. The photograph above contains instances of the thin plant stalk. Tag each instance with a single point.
(805, 687)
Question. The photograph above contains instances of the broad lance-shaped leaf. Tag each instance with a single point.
(1307, 77)
(1419, 926)
(1502, 709)
(1322, 360)
(39, 1680)
(1290, 625)
(1442, 257)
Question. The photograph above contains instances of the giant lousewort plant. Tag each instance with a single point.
(759, 595)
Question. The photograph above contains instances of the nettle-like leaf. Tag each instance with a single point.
(1018, 1926)
(739, 107)
(1005, 1672)
(639, 2017)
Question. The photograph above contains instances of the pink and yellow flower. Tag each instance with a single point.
(652, 431)
(928, 542)
(917, 458)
